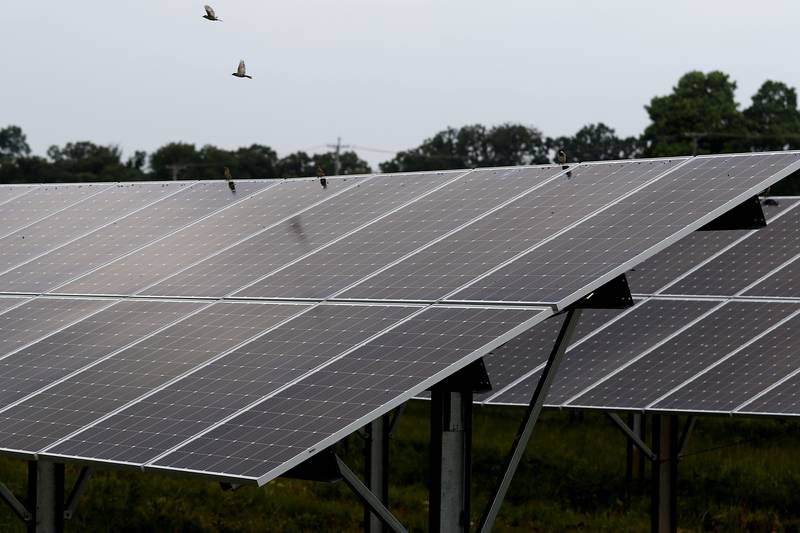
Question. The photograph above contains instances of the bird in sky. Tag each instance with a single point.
(241, 72)
(321, 176)
(229, 179)
(210, 15)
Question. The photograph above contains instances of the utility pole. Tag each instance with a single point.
(337, 148)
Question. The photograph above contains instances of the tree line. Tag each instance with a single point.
(699, 116)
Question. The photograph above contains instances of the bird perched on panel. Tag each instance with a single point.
(241, 72)
(321, 176)
(562, 159)
(229, 179)
(210, 15)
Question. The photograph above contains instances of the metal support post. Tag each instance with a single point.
(631, 450)
(76, 492)
(376, 468)
(451, 460)
(633, 438)
(529, 421)
(664, 509)
(46, 497)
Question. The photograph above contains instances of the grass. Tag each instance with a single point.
(738, 475)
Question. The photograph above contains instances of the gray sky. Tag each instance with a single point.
(380, 73)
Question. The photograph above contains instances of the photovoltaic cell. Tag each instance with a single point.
(349, 260)
(531, 349)
(155, 424)
(641, 328)
(599, 248)
(677, 360)
(143, 227)
(452, 262)
(9, 194)
(59, 228)
(339, 397)
(250, 260)
(652, 275)
(8, 303)
(40, 317)
(111, 383)
(745, 374)
(745, 263)
(784, 399)
(133, 272)
(83, 343)
(785, 283)
(44, 201)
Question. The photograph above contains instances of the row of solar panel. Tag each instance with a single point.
(153, 381)
(247, 390)
(533, 234)
(737, 354)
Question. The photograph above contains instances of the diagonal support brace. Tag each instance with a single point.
(7, 496)
(77, 491)
(369, 499)
(632, 435)
(529, 421)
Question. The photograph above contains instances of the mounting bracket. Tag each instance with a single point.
(616, 294)
(471, 378)
(747, 215)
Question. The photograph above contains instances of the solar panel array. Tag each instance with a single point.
(715, 329)
(182, 327)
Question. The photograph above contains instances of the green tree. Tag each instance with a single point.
(174, 161)
(256, 161)
(596, 142)
(700, 116)
(773, 118)
(13, 144)
(473, 146)
(86, 161)
(300, 164)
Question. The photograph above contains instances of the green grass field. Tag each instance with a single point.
(738, 475)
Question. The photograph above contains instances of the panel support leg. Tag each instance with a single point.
(369, 499)
(633, 455)
(529, 421)
(46, 497)
(451, 460)
(664, 509)
(376, 463)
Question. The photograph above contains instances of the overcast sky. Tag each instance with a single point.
(379, 73)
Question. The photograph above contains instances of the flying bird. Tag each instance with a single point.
(321, 176)
(229, 179)
(240, 71)
(210, 15)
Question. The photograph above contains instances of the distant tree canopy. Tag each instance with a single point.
(699, 116)
(473, 146)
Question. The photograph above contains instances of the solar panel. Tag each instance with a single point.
(132, 272)
(40, 317)
(602, 247)
(221, 388)
(109, 382)
(183, 205)
(75, 221)
(754, 257)
(743, 374)
(785, 283)
(647, 378)
(43, 202)
(335, 400)
(448, 264)
(631, 334)
(300, 235)
(327, 271)
(782, 399)
(240, 387)
(37, 365)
